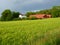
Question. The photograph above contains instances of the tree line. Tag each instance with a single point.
(54, 11)
(8, 15)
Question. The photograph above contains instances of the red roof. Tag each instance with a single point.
(40, 16)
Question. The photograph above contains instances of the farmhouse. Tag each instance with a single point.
(22, 16)
(40, 16)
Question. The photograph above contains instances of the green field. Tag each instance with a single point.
(30, 32)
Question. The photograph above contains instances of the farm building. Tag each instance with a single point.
(40, 16)
(22, 16)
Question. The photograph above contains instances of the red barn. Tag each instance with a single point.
(39, 16)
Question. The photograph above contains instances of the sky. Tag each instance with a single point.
(24, 6)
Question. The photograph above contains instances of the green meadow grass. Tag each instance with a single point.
(30, 32)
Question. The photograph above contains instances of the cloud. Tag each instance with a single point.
(28, 2)
(27, 5)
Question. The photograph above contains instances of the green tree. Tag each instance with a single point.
(55, 11)
(46, 11)
(30, 13)
(15, 14)
(6, 15)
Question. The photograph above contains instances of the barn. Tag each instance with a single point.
(40, 16)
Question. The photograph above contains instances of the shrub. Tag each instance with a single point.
(24, 18)
(33, 18)
(16, 19)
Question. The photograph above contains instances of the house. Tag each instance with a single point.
(40, 16)
(22, 16)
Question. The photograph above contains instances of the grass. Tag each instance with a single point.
(30, 32)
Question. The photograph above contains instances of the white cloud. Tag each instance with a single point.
(35, 10)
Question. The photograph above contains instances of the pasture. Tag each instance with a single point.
(30, 32)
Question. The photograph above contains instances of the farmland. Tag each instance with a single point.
(30, 32)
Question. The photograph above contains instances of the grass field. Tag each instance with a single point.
(30, 32)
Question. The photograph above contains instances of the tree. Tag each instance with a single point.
(15, 14)
(6, 15)
(46, 11)
(30, 13)
(56, 11)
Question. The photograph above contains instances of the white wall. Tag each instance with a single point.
(20, 16)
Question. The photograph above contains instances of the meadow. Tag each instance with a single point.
(30, 32)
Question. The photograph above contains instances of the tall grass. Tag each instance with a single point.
(29, 32)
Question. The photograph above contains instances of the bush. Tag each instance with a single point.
(16, 19)
(24, 18)
(33, 18)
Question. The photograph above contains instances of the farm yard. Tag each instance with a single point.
(30, 32)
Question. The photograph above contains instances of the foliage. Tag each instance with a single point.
(54, 11)
(24, 18)
(33, 18)
(15, 14)
(46, 11)
(16, 19)
(29, 13)
(6, 15)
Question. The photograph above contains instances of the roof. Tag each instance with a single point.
(21, 14)
(40, 15)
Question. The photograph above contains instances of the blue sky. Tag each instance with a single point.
(27, 5)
